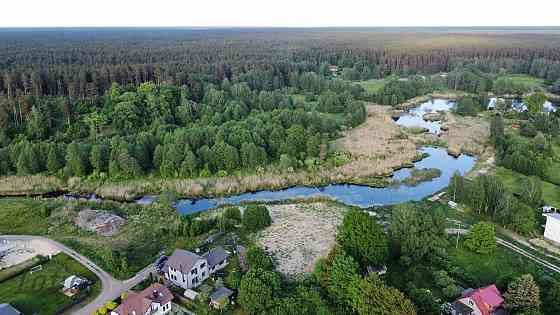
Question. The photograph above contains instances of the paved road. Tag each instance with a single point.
(514, 248)
(111, 288)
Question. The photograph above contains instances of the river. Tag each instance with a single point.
(365, 196)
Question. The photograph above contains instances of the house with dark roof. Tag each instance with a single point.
(7, 309)
(154, 300)
(217, 259)
(483, 301)
(220, 297)
(188, 270)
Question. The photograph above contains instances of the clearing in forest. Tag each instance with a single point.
(300, 234)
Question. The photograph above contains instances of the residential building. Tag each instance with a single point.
(7, 309)
(552, 227)
(188, 270)
(154, 300)
(483, 301)
(73, 284)
(221, 297)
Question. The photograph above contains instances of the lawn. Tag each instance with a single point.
(40, 292)
(551, 192)
(525, 80)
(373, 85)
(475, 270)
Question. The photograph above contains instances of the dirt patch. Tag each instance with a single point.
(101, 222)
(17, 252)
(300, 234)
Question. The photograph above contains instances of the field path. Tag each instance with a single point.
(111, 288)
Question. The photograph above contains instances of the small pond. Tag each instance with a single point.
(356, 195)
(415, 116)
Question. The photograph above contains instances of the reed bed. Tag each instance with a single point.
(29, 185)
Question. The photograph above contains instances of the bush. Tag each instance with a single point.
(257, 258)
(256, 217)
(481, 238)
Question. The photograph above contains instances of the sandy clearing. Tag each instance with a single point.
(300, 234)
(21, 251)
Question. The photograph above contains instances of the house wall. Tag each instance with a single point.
(159, 309)
(219, 266)
(470, 302)
(552, 229)
(189, 280)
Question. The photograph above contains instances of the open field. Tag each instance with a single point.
(55, 219)
(551, 192)
(39, 292)
(373, 85)
(528, 82)
(300, 234)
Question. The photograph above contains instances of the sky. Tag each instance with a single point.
(278, 13)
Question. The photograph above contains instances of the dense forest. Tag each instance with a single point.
(188, 103)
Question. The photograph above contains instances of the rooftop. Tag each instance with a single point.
(220, 293)
(215, 256)
(183, 260)
(553, 215)
(139, 303)
(7, 309)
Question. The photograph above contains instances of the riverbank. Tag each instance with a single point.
(366, 155)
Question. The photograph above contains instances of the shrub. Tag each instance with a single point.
(256, 217)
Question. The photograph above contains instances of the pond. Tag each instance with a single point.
(415, 116)
(355, 195)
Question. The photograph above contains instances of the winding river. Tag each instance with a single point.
(364, 196)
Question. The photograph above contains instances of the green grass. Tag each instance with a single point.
(10, 272)
(373, 85)
(500, 267)
(40, 291)
(22, 216)
(512, 180)
(525, 80)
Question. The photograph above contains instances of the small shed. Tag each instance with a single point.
(190, 294)
(74, 282)
(220, 297)
(452, 204)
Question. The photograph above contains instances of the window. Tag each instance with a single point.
(202, 265)
(203, 274)
(194, 271)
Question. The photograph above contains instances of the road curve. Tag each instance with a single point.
(111, 288)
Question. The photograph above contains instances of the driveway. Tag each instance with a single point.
(111, 288)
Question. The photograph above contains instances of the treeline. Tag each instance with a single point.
(84, 63)
(161, 129)
(490, 199)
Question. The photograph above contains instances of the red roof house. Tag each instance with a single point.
(483, 301)
(155, 300)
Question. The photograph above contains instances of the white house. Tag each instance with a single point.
(188, 270)
(154, 300)
(552, 228)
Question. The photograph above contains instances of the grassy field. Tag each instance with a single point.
(527, 81)
(136, 240)
(22, 216)
(500, 267)
(551, 192)
(40, 291)
(373, 85)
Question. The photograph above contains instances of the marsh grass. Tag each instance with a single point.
(29, 185)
